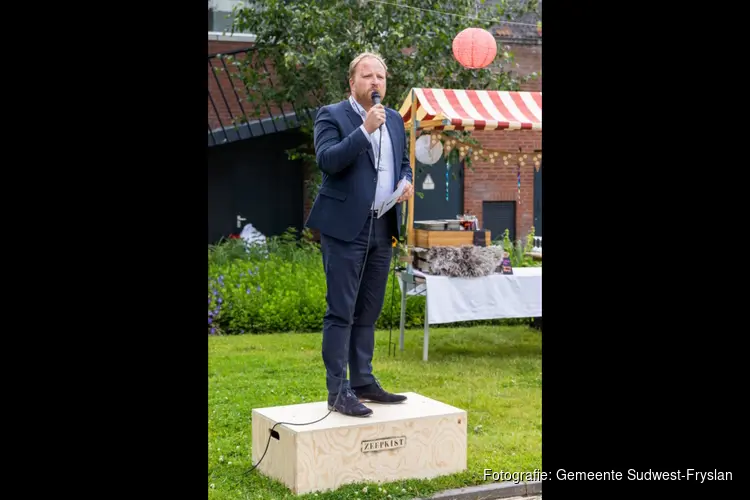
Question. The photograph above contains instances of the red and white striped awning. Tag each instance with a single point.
(446, 109)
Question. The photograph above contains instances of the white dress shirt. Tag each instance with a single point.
(387, 169)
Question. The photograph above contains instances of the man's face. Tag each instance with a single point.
(368, 76)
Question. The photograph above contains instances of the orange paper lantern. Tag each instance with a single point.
(474, 48)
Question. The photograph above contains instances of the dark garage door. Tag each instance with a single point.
(497, 216)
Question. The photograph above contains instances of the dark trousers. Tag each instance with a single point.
(349, 322)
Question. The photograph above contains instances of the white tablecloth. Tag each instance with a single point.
(489, 297)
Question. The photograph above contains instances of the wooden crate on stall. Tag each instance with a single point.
(425, 238)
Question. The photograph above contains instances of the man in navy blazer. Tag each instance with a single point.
(361, 150)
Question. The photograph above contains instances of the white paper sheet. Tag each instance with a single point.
(388, 204)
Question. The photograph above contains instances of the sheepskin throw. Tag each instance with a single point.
(464, 261)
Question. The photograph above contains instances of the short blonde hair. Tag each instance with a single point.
(358, 59)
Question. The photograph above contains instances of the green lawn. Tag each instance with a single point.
(494, 373)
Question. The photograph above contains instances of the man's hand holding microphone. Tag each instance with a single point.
(375, 118)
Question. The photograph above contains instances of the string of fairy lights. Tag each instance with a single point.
(478, 152)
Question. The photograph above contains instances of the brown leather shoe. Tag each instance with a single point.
(374, 393)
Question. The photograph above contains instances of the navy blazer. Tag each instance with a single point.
(344, 155)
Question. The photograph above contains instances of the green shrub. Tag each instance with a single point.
(280, 287)
(227, 250)
(518, 251)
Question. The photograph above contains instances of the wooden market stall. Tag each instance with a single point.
(428, 109)
(495, 296)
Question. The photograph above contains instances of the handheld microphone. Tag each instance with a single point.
(376, 101)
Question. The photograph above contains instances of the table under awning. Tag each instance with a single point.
(504, 296)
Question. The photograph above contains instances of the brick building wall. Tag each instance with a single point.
(529, 60)
(496, 181)
(499, 182)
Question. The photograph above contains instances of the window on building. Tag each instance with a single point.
(220, 14)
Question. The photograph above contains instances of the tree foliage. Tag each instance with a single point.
(309, 45)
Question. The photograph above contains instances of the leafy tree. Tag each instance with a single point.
(309, 45)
